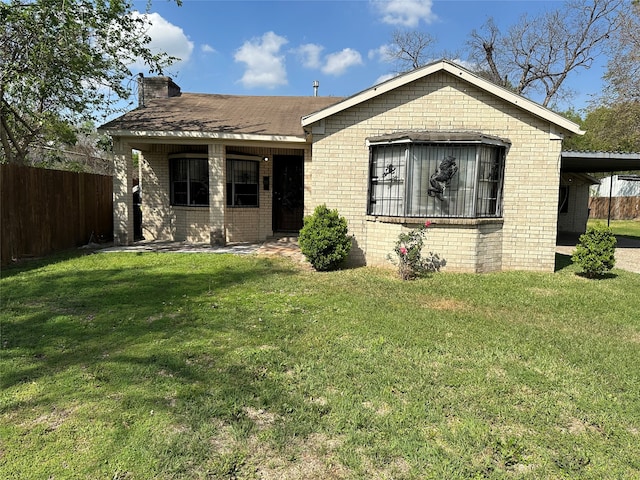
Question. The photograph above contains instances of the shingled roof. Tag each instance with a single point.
(220, 114)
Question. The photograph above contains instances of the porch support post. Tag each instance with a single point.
(217, 183)
(122, 194)
(307, 168)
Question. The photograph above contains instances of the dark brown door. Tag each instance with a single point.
(288, 193)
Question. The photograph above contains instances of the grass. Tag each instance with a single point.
(625, 228)
(172, 366)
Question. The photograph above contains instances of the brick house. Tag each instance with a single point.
(438, 143)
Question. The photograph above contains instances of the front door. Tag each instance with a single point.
(288, 193)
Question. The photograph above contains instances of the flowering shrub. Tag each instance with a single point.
(409, 257)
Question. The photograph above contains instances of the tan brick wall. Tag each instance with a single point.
(164, 222)
(191, 224)
(526, 240)
(122, 193)
(243, 225)
(469, 246)
(158, 216)
(160, 220)
(489, 258)
(217, 185)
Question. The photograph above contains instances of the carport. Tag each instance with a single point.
(579, 163)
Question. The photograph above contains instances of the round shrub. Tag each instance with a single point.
(324, 240)
(595, 252)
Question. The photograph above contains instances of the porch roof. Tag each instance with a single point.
(219, 116)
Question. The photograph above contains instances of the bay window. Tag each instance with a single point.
(436, 174)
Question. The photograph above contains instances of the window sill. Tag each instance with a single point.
(189, 206)
(466, 222)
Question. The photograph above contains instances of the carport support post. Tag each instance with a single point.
(610, 195)
(122, 193)
(217, 183)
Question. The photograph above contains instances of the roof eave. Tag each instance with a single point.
(455, 70)
(165, 135)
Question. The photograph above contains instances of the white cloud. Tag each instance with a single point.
(338, 63)
(165, 37)
(405, 13)
(465, 64)
(206, 48)
(384, 78)
(310, 54)
(265, 67)
(335, 63)
(383, 53)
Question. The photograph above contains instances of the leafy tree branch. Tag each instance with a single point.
(62, 62)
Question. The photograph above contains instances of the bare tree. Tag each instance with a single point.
(409, 49)
(538, 53)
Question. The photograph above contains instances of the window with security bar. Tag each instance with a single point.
(242, 183)
(189, 181)
(409, 179)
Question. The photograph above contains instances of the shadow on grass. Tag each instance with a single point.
(27, 264)
(562, 261)
(104, 328)
(604, 276)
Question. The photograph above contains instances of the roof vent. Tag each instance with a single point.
(316, 84)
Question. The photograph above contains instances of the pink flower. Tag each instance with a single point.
(403, 251)
(427, 224)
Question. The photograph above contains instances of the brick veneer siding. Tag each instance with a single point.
(122, 193)
(161, 220)
(525, 237)
(252, 224)
(164, 222)
(158, 216)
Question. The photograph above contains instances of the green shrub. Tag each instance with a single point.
(595, 252)
(324, 240)
(412, 262)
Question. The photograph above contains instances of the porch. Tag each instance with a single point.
(215, 194)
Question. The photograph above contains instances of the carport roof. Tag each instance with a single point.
(592, 162)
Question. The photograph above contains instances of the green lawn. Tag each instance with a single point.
(626, 228)
(193, 366)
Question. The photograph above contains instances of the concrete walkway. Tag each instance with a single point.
(280, 246)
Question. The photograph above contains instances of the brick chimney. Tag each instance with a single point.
(155, 87)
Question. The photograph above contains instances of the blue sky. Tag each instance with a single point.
(281, 47)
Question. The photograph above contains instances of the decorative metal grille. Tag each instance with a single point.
(436, 180)
(242, 183)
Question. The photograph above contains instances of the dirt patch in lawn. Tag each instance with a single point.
(448, 304)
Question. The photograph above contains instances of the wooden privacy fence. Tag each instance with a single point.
(44, 211)
(622, 208)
